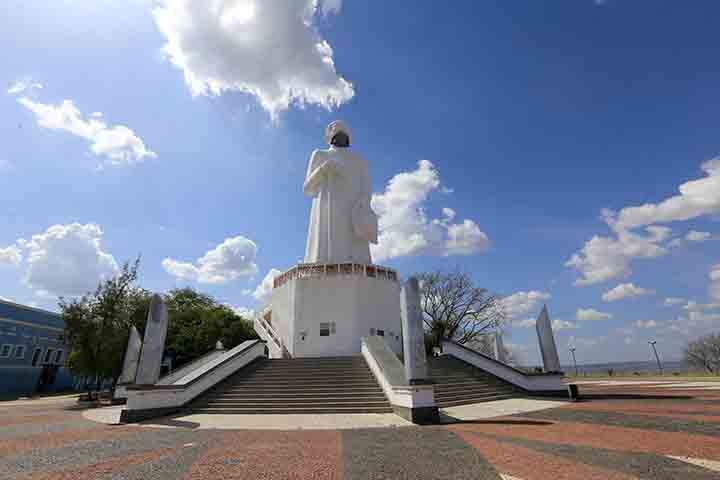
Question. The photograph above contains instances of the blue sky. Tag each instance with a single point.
(187, 129)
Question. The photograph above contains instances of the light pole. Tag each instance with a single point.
(572, 350)
(652, 344)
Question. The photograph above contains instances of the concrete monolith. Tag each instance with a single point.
(499, 348)
(413, 332)
(548, 350)
(154, 343)
(132, 358)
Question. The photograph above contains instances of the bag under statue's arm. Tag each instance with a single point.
(318, 168)
(365, 221)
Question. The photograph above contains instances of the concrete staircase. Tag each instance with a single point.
(297, 385)
(458, 383)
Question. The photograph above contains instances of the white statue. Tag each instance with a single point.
(342, 224)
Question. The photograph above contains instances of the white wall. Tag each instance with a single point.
(355, 303)
(184, 391)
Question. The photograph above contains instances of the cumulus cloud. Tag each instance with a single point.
(671, 301)
(558, 325)
(118, 144)
(10, 255)
(246, 313)
(605, 258)
(233, 258)
(406, 229)
(264, 289)
(270, 50)
(22, 86)
(525, 323)
(646, 324)
(590, 314)
(625, 290)
(695, 236)
(521, 303)
(66, 259)
(715, 282)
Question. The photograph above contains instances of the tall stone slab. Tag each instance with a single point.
(132, 358)
(152, 351)
(499, 348)
(548, 350)
(413, 333)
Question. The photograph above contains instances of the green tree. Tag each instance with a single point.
(97, 325)
(197, 321)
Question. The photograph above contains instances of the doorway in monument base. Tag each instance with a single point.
(328, 316)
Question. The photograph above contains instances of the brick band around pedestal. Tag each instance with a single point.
(315, 270)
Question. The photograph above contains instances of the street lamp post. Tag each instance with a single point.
(572, 350)
(657, 357)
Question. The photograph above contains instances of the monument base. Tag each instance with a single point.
(321, 310)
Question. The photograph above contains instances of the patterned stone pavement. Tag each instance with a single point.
(619, 432)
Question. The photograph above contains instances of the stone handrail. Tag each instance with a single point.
(147, 401)
(317, 270)
(411, 402)
(542, 384)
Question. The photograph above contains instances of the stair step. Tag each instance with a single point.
(325, 385)
(455, 403)
(284, 401)
(286, 411)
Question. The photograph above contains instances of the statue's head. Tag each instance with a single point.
(337, 134)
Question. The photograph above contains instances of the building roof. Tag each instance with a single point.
(24, 313)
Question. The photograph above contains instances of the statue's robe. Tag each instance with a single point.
(342, 224)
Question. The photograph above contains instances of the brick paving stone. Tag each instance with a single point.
(412, 453)
(530, 464)
(600, 436)
(641, 465)
(271, 455)
(74, 454)
(628, 421)
(168, 467)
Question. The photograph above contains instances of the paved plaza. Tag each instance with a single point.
(647, 431)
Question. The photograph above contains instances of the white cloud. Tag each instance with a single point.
(625, 290)
(559, 324)
(574, 341)
(22, 86)
(604, 258)
(271, 50)
(589, 314)
(525, 323)
(521, 303)
(715, 282)
(118, 143)
(646, 324)
(10, 255)
(695, 236)
(405, 228)
(264, 289)
(670, 301)
(233, 258)
(697, 198)
(246, 313)
(67, 259)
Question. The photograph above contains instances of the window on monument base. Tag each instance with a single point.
(48, 353)
(5, 351)
(381, 333)
(327, 329)
(372, 331)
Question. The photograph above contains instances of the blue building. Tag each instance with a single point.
(33, 351)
